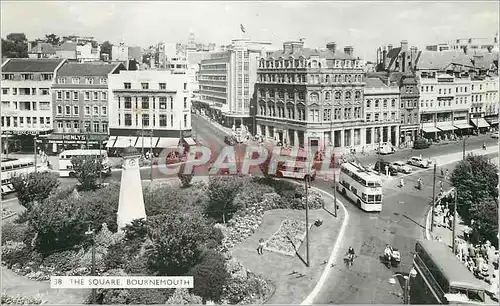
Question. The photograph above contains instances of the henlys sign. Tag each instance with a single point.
(74, 137)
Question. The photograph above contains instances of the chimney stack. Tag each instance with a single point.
(389, 47)
(384, 58)
(404, 45)
(332, 46)
(349, 50)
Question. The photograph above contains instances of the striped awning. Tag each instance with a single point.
(463, 126)
(111, 141)
(165, 142)
(446, 127)
(146, 142)
(479, 122)
(190, 141)
(125, 142)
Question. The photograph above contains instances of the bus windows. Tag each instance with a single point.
(363, 196)
(378, 198)
(371, 198)
(16, 166)
(30, 164)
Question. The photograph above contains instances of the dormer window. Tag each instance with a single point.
(89, 81)
(337, 64)
(103, 81)
(75, 80)
(61, 80)
(347, 64)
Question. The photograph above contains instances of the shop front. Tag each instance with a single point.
(493, 122)
(56, 143)
(23, 140)
(480, 124)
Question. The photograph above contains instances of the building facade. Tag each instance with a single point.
(227, 80)
(409, 110)
(80, 105)
(381, 114)
(26, 100)
(310, 97)
(148, 109)
(482, 44)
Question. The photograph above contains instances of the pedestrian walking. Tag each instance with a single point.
(441, 184)
(446, 174)
(260, 248)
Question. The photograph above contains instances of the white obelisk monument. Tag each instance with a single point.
(131, 205)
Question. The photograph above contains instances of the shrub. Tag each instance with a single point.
(20, 300)
(16, 253)
(247, 290)
(221, 193)
(13, 232)
(210, 275)
(63, 261)
(250, 194)
(182, 296)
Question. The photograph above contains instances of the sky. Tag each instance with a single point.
(364, 25)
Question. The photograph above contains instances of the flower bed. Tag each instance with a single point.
(288, 238)
(6, 213)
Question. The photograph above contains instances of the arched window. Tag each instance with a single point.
(337, 95)
(327, 96)
(314, 97)
(357, 95)
(314, 64)
(348, 95)
(327, 79)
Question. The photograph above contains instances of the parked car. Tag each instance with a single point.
(402, 167)
(494, 135)
(392, 171)
(418, 162)
(421, 143)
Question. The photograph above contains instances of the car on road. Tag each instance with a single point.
(402, 167)
(382, 164)
(421, 143)
(418, 162)
(385, 148)
(494, 135)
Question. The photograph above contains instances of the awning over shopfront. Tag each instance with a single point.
(462, 126)
(492, 121)
(124, 142)
(111, 141)
(479, 122)
(149, 142)
(165, 142)
(430, 129)
(190, 141)
(446, 127)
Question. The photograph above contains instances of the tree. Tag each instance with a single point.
(15, 46)
(107, 47)
(88, 170)
(178, 241)
(52, 39)
(211, 276)
(34, 187)
(182, 296)
(485, 216)
(476, 179)
(221, 193)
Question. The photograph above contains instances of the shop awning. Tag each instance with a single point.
(446, 127)
(462, 126)
(164, 142)
(125, 142)
(147, 142)
(111, 141)
(492, 121)
(479, 122)
(430, 129)
(190, 141)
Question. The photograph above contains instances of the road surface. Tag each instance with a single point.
(399, 224)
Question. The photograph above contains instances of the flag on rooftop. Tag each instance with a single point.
(242, 28)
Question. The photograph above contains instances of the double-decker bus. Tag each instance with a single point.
(16, 167)
(442, 279)
(296, 170)
(361, 186)
(66, 167)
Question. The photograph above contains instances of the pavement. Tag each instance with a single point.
(401, 222)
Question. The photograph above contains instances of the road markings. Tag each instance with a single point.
(333, 255)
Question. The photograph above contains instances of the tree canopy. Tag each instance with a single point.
(107, 47)
(476, 181)
(88, 170)
(52, 39)
(15, 46)
(34, 187)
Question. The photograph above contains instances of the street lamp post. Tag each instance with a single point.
(151, 154)
(307, 221)
(412, 274)
(35, 141)
(433, 197)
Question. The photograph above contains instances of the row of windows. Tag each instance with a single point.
(145, 103)
(385, 117)
(76, 80)
(311, 79)
(21, 121)
(377, 103)
(26, 106)
(213, 88)
(27, 77)
(145, 85)
(281, 113)
(75, 110)
(145, 120)
(77, 126)
(303, 63)
(313, 97)
(96, 95)
(26, 91)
